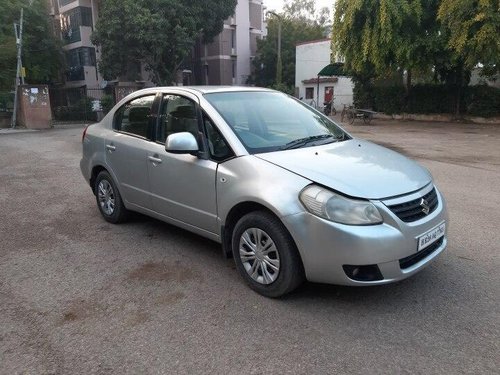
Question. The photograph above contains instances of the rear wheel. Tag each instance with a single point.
(109, 200)
(367, 119)
(265, 255)
(352, 116)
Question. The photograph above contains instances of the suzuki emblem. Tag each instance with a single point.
(425, 206)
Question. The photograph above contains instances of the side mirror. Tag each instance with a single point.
(181, 143)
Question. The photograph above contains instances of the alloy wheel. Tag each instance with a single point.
(259, 256)
(106, 197)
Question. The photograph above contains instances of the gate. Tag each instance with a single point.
(80, 103)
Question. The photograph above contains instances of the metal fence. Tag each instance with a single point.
(80, 104)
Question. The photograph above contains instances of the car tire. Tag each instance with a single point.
(257, 263)
(109, 200)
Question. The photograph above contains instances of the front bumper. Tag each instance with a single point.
(325, 247)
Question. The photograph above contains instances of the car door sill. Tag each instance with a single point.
(191, 228)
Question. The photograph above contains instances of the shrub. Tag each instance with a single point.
(80, 111)
(6, 101)
(107, 102)
(389, 99)
(483, 101)
(431, 99)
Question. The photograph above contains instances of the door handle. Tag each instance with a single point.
(111, 148)
(154, 159)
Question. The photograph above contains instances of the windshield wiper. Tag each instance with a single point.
(303, 141)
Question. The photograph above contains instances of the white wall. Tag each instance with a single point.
(310, 58)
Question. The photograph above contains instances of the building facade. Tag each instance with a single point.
(310, 58)
(224, 61)
(74, 21)
(227, 60)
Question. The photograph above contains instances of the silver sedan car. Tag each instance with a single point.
(285, 190)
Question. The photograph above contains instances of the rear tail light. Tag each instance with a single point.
(84, 133)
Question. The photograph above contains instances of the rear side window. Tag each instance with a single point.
(134, 117)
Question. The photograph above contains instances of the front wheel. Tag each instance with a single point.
(265, 255)
(109, 200)
(334, 111)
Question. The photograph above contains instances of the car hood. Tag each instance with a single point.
(355, 167)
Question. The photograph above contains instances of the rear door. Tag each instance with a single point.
(127, 149)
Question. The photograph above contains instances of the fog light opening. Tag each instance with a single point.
(369, 272)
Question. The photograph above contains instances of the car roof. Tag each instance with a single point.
(212, 89)
(206, 89)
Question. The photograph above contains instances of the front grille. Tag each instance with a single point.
(413, 210)
(417, 257)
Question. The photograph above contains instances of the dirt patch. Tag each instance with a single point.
(79, 310)
(138, 318)
(162, 272)
(171, 298)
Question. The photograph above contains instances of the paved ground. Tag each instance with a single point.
(79, 295)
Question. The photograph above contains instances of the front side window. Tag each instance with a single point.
(272, 121)
(178, 114)
(134, 117)
(217, 145)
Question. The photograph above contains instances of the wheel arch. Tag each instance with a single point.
(96, 169)
(235, 214)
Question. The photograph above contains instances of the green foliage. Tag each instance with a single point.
(300, 23)
(431, 98)
(80, 111)
(283, 88)
(474, 30)
(389, 99)
(6, 101)
(445, 39)
(107, 102)
(159, 33)
(483, 101)
(384, 34)
(41, 50)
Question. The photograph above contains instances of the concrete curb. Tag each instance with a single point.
(437, 118)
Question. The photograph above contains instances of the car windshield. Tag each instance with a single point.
(267, 121)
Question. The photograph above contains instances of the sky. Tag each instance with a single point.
(278, 4)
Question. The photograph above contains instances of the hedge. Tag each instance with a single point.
(481, 100)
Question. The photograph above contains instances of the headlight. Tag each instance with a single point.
(328, 205)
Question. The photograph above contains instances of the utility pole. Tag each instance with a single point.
(19, 44)
(279, 64)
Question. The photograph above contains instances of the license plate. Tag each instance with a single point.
(431, 236)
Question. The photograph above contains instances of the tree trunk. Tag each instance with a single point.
(407, 89)
(459, 82)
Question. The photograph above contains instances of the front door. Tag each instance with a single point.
(182, 185)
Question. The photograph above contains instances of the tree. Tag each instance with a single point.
(447, 37)
(158, 33)
(300, 23)
(386, 35)
(474, 30)
(41, 56)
